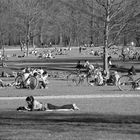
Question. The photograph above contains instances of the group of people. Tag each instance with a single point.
(40, 74)
(46, 55)
(100, 77)
(52, 52)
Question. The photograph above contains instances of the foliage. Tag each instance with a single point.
(68, 22)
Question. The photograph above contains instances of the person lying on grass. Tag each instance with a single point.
(34, 105)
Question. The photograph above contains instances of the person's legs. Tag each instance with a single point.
(52, 107)
(70, 106)
(1, 83)
(42, 84)
(63, 107)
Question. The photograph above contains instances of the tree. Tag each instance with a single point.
(27, 13)
(3, 21)
(116, 18)
(133, 28)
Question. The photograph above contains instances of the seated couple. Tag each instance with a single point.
(34, 105)
(43, 79)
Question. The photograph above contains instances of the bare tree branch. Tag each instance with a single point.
(75, 7)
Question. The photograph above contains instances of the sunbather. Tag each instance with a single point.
(34, 105)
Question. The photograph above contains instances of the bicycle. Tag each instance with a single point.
(31, 82)
(72, 78)
(127, 82)
(78, 77)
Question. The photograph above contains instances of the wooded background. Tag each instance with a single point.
(69, 22)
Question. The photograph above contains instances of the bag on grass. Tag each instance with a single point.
(22, 108)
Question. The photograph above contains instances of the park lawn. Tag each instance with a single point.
(113, 105)
(98, 118)
(68, 126)
(60, 62)
(58, 87)
(68, 94)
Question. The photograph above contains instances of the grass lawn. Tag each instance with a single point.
(60, 89)
(67, 126)
(97, 119)
(115, 118)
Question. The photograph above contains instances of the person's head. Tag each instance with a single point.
(115, 72)
(27, 69)
(45, 72)
(86, 61)
(30, 99)
(132, 71)
(109, 58)
(35, 74)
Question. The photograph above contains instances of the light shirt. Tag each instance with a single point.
(37, 105)
(26, 75)
(40, 71)
(45, 78)
(91, 67)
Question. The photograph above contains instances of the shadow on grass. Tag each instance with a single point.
(128, 124)
(70, 117)
(102, 122)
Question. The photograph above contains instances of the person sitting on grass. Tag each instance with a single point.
(26, 73)
(110, 65)
(99, 80)
(79, 66)
(42, 79)
(113, 78)
(34, 105)
(40, 70)
(89, 67)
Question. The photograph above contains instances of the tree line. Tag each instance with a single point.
(69, 22)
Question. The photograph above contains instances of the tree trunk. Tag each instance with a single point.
(124, 41)
(40, 36)
(28, 38)
(0, 41)
(61, 39)
(106, 39)
(137, 41)
(105, 52)
(91, 24)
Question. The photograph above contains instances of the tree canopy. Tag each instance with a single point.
(69, 22)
